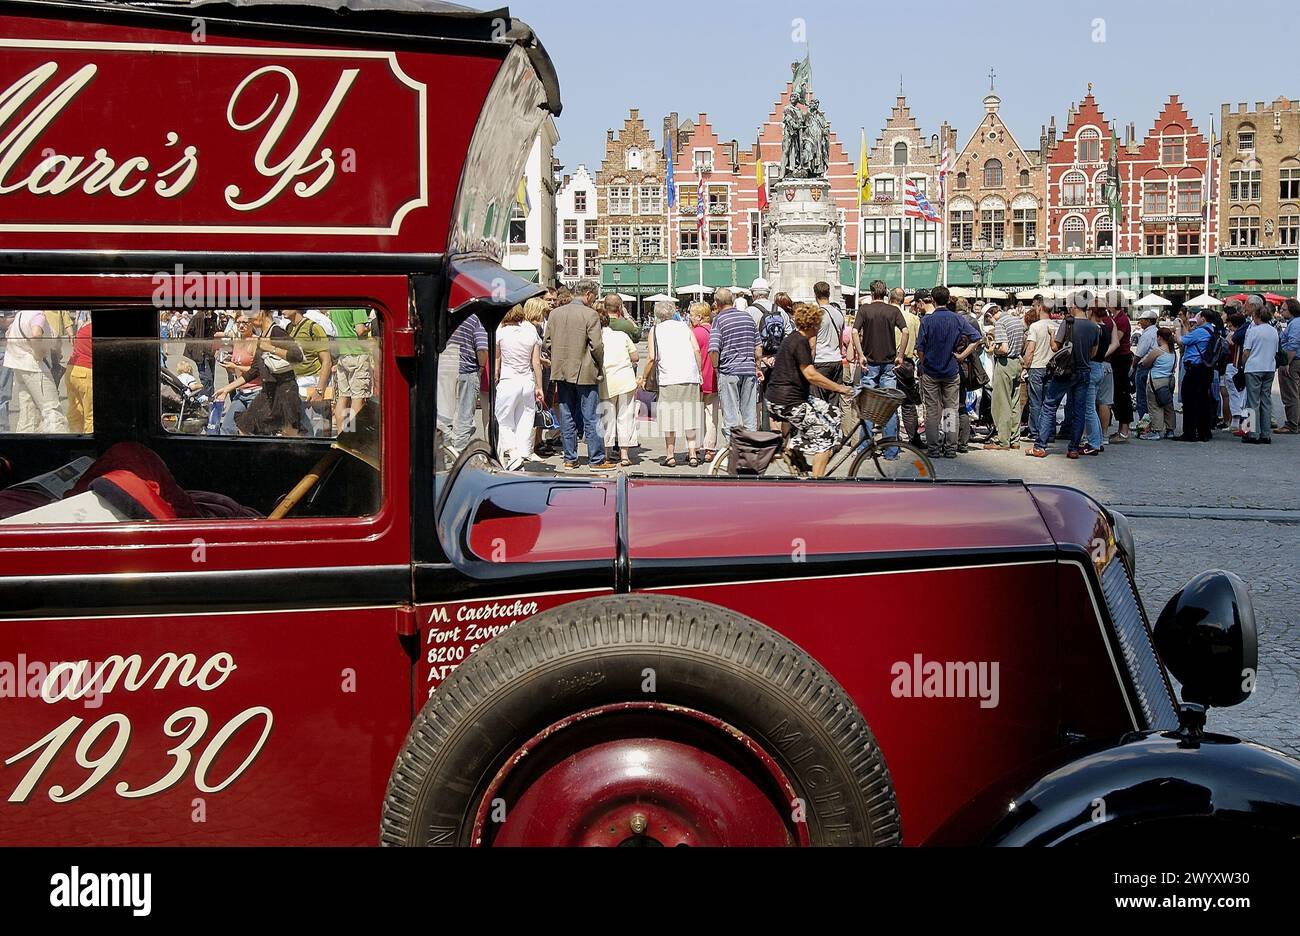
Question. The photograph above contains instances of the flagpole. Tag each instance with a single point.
(902, 246)
(1209, 170)
(943, 193)
(672, 291)
(857, 295)
(1115, 209)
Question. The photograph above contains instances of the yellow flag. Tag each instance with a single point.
(864, 173)
(521, 197)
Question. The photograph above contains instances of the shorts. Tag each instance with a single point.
(353, 377)
(1106, 389)
(814, 425)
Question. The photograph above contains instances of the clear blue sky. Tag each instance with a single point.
(731, 58)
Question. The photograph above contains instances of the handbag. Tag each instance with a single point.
(1239, 381)
(650, 380)
(1164, 395)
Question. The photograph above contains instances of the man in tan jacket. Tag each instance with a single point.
(573, 343)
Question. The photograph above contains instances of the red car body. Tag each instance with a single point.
(304, 648)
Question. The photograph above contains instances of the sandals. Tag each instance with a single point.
(670, 462)
(693, 461)
(625, 463)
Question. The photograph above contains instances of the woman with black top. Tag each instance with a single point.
(814, 425)
(276, 411)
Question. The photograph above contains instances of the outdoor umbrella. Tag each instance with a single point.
(1152, 301)
(659, 297)
(695, 289)
(1203, 301)
(1047, 294)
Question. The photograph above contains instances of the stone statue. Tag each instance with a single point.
(806, 146)
(817, 134)
(792, 142)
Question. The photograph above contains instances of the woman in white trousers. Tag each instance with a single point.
(618, 391)
(519, 387)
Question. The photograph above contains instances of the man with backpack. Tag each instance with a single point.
(1205, 352)
(1069, 374)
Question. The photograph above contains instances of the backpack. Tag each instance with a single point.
(1061, 364)
(1217, 352)
(771, 332)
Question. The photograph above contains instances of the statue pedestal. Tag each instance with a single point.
(803, 237)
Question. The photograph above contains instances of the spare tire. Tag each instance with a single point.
(640, 720)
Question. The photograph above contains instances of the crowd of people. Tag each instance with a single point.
(1082, 370)
(295, 372)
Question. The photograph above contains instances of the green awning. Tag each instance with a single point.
(1265, 271)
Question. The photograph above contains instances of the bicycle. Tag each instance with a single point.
(889, 458)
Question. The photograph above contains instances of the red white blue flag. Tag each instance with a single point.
(916, 205)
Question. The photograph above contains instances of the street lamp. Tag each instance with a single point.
(983, 267)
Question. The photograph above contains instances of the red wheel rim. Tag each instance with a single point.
(640, 774)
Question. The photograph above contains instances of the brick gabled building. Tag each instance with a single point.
(1165, 195)
(630, 198)
(1078, 218)
(997, 195)
(699, 152)
(901, 152)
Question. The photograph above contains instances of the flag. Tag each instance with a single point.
(801, 83)
(760, 180)
(916, 205)
(864, 174)
(701, 200)
(521, 197)
(1112, 180)
(672, 183)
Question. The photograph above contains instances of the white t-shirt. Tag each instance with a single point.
(620, 373)
(516, 343)
(675, 354)
(830, 335)
(21, 340)
(1040, 333)
(1262, 344)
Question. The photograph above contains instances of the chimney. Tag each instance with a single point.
(634, 113)
(567, 180)
(609, 136)
(1130, 134)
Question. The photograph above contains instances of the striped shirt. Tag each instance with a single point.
(470, 338)
(734, 339)
(1010, 330)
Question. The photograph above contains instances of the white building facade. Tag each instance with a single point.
(532, 249)
(576, 228)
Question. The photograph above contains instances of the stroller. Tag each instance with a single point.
(184, 411)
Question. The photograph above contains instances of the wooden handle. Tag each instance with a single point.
(303, 487)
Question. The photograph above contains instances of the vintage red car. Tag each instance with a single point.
(268, 637)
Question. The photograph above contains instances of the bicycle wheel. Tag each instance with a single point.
(893, 461)
(720, 467)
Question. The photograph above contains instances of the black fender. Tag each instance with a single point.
(1159, 786)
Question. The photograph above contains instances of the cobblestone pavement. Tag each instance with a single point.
(1170, 552)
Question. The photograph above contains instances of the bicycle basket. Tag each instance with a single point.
(753, 452)
(879, 406)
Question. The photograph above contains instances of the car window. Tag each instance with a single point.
(202, 414)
